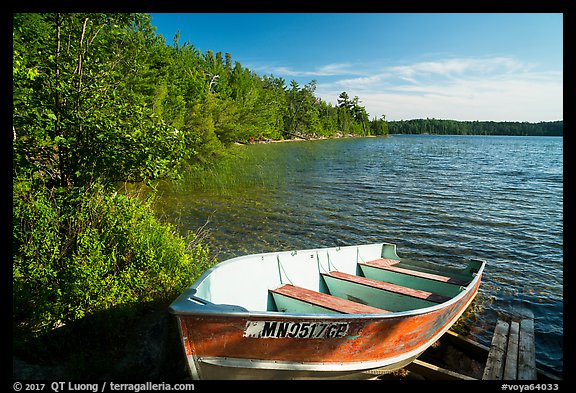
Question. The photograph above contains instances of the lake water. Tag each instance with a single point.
(438, 198)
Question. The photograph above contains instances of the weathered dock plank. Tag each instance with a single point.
(469, 346)
(512, 354)
(527, 350)
(511, 369)
(434, 372)
(496, 357)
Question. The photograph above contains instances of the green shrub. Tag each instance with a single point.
(80, 252)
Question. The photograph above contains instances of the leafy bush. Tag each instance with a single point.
(82, 251)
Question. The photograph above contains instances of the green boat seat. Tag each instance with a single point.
(389, 287)
(410, 277)
(385, 265)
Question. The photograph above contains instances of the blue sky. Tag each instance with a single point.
(471, 66)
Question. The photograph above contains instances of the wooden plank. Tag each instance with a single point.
(416, 273)
(469, 346)
(384, 262)
(511, 366)
(480, 352)
(386, 286)
(527, 351)
(495, 364)
(326, 301)
(424, 284)
(432, 371)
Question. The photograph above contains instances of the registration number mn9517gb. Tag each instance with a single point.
(303, 329)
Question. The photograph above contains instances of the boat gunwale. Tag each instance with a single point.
(309, 366)
(349, 366)
(184, 305)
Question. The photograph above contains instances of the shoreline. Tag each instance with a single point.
(300, 139)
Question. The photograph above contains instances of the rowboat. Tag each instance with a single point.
(319, 313)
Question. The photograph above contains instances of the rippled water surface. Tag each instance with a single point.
(438, 198)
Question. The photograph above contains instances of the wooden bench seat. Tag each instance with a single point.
(385, 264)
(326, 301)
(386, 286)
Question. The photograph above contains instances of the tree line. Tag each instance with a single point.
(454, 127)
(104, 95)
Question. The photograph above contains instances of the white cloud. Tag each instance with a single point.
(361, 82)
(457, 67)
(498, 100)
(326, 70)
(498, 88)
(488, 88)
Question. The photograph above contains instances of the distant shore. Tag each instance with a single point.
(303, 139)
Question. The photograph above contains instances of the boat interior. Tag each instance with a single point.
(365, 279)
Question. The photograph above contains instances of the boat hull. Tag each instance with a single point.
(283, 346)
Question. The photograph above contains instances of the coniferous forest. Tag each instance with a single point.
(102, 99)
(454, 127)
